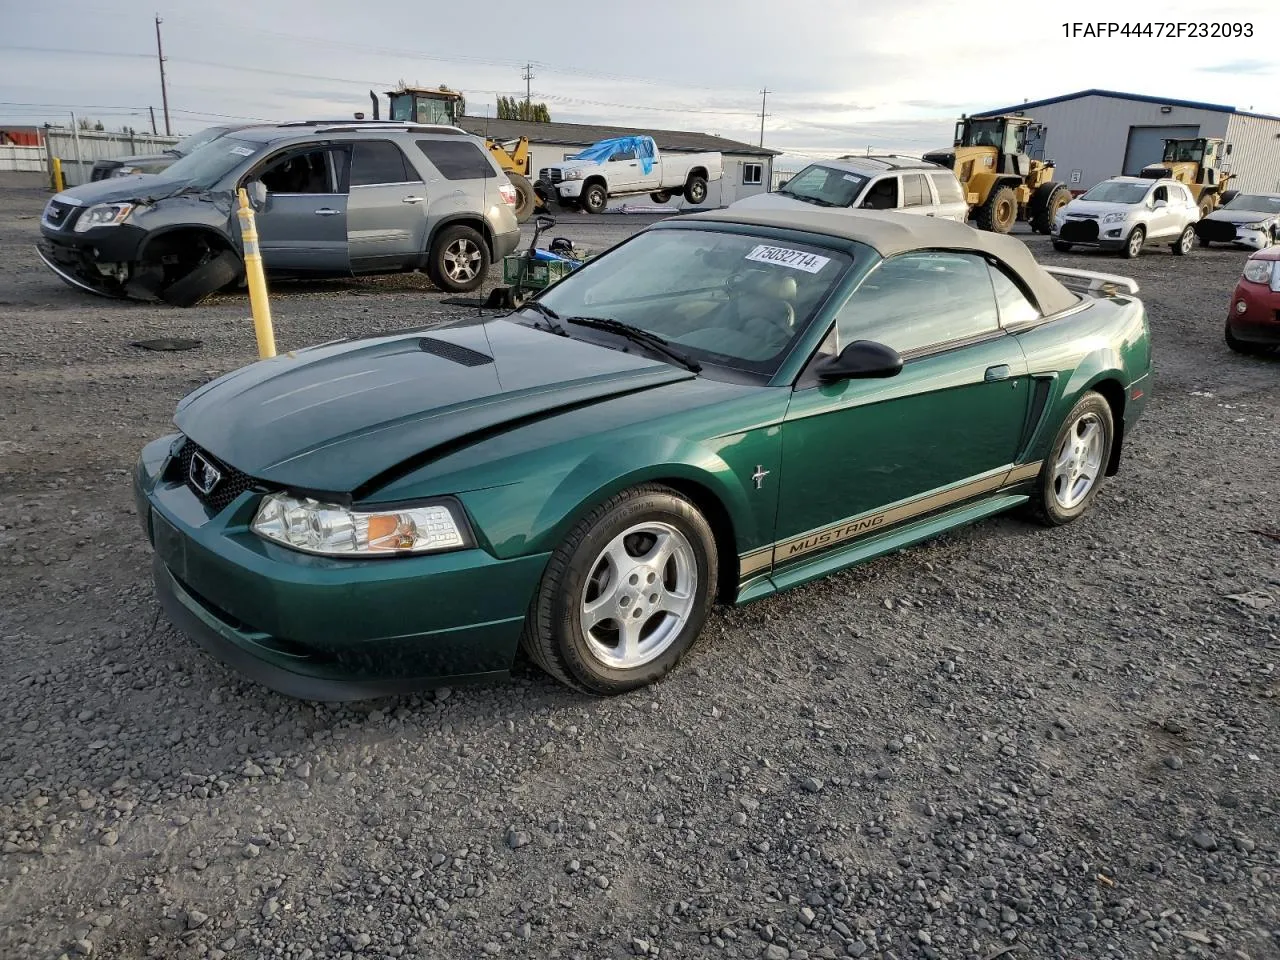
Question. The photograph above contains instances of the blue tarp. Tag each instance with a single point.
(602, 151)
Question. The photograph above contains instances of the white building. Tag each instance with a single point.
(1096, 134)
(748, 169)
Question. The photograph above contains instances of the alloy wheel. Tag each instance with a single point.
(639, 595)
(461, 260)
(1079, 461)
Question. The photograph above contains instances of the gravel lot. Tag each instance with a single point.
(1006, 742)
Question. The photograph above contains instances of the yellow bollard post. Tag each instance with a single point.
(257, 280)
(59, 182)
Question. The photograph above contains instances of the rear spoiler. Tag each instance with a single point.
(1093, 284)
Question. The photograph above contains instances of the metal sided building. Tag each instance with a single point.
(1096, 134)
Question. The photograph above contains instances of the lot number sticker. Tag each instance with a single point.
(241, 151)
(796, 259)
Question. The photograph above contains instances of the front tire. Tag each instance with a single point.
(1061, 247)
(594, 198)
(459, 259)
(1000, 211)
(626, 594)
(1072, 474)
(1133, 245)
(1048, 199)
(204, 280)
(660, 196)
(1185, 241)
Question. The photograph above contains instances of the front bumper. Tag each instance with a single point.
(77, 258)
(326, 628)
(1091, 233)
(569, 189)
(1221, 231)
(1260, 321)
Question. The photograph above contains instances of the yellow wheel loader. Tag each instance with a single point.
(444, 106)
(1002, 183)
(1194, 162)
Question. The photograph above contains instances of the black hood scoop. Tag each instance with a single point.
(453, 351)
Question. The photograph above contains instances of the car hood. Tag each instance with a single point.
(331, 418)
(141, 160)
(1241, 216)
(774, 201)
(136, 186)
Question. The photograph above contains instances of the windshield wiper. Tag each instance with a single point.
(644, 337)
(807, 199)
(553, 318)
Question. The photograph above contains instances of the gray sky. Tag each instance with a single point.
(843, 75)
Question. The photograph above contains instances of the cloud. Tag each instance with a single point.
(1253, 67)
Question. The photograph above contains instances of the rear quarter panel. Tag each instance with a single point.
(1105, 346)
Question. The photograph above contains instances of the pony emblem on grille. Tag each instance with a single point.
(204, 475)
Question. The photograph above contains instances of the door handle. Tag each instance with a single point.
(997, 373)
(413, 199)
(327, 212)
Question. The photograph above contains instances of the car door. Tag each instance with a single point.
(951, 201)
(861, 455)
(1164, 218)
(303, 226)
(623, 170)
(387, 209)
(916, 195)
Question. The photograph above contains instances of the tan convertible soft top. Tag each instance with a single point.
(893, 233)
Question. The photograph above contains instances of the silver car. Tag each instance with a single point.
(331, 200)
(884, 182)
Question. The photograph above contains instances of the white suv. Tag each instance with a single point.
(1124, 213)
(888, 182)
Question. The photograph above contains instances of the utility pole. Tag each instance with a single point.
(154, 131)
(527, 77)
(164, 90)
(764, 95)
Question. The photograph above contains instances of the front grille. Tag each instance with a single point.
(58, 214)
(231, 484)
(1079, 231)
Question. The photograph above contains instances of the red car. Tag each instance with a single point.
(1253, 319)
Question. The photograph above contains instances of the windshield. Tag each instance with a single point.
(1112, 191)
(722, 298)
(206, 165)
(1184, 151)
(191, 143)
(825, 186)
(1255, 202)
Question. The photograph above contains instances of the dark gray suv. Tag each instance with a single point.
(331, 200)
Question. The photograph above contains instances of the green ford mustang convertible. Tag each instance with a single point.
(726, 405)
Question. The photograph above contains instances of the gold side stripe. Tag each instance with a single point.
(752, 563)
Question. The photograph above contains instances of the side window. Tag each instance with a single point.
(457, 159)
(918, 300)
(1162, 193)
(948, 188)
(311, 171)
(621, 155)
(883, 194)
(915, 192)
(1013, 303)
(379, 161)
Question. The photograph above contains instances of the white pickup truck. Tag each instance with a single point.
(624, 167)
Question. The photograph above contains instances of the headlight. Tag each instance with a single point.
(1259, 271)
(1260, 225)
(103, 215)
(124, 171)
(324, 528)
(573, 173)
(1114, 217)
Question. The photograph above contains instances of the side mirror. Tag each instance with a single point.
(257, 192)
(1228, 150)
(860, 360)
(782, 183)
(1161, 204)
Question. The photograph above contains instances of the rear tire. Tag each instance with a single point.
(1206, 206)
(695, 191)
(594, 198)
(203, 281)
(1133, 244)
(1048, 199)
(1186, 240)
(1073, 472)
(589, 577)
(459, 259)
(1000, 211)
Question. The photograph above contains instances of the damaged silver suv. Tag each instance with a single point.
(331, 199)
